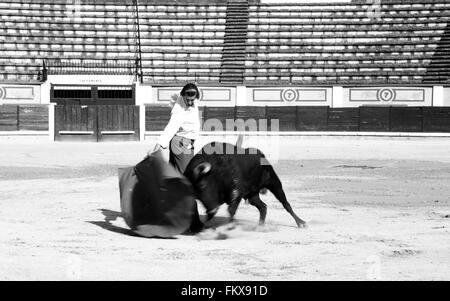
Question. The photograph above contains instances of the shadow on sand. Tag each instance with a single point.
(110, 216)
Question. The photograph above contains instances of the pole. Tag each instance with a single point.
(140, 74)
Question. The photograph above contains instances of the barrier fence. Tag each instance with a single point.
(24, 118)
(371, 119)
(363, 119)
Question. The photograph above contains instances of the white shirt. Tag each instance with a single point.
(184, 121)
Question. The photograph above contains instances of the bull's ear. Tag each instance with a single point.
(202, 169)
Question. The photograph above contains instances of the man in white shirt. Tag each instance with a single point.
(183, 128)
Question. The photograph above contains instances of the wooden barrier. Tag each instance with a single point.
(122, 121)
(156, 117)
(343, 119)
(24, 118)
(374, 119)
(406, 119)
(97, 123)
(33, 118)
(312, 118)
(251, 116)
(287, 117)
(366, 119)
(436, 119)
(219, 113)
(118, 122)
(75, 123)
(9, 120)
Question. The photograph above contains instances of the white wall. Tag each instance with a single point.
(144, 94)
(20, 94)
(335, 96)
(408, 96)
(445, 101)
(210, 96)
(289, 96)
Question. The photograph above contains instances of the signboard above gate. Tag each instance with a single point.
(95, 80)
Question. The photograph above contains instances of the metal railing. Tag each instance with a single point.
(57, 67)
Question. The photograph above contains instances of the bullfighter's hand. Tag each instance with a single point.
(157, 148)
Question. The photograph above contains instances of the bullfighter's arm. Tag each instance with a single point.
(175, 122)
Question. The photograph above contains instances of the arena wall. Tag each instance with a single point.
(331, 96)
(295, 108)
(20, 94)
(24, 118)
(445, 101)
(322, 66)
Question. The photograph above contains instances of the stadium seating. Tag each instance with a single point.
(66, 34)
(329, 43)
(229, 42)
(182, 41)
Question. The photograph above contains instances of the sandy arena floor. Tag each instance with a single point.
(376, 208)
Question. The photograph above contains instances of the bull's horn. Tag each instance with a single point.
(201, 169)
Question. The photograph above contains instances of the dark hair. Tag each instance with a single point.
(189, 87)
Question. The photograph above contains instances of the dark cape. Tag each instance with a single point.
(156, 200)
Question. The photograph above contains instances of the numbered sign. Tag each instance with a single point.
(289, 95)
(386, 95)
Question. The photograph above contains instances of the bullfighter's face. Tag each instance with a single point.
(189, 97)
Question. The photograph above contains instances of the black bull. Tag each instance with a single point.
(224, 173)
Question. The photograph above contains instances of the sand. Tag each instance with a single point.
(376, 208)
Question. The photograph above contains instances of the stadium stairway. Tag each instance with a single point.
(440, 62)
(233, 54)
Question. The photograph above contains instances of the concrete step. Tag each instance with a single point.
(234, 49)
(239, 43)
(234, 52)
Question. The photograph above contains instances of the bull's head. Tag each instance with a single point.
(207, 187)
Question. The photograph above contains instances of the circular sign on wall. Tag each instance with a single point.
(386, 95)
(2, 93)
(289, 95)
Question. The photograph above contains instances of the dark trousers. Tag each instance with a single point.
(181, 152)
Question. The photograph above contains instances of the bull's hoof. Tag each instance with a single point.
(212, 234)
(196, 228)
(230, 226)
(301, 224)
